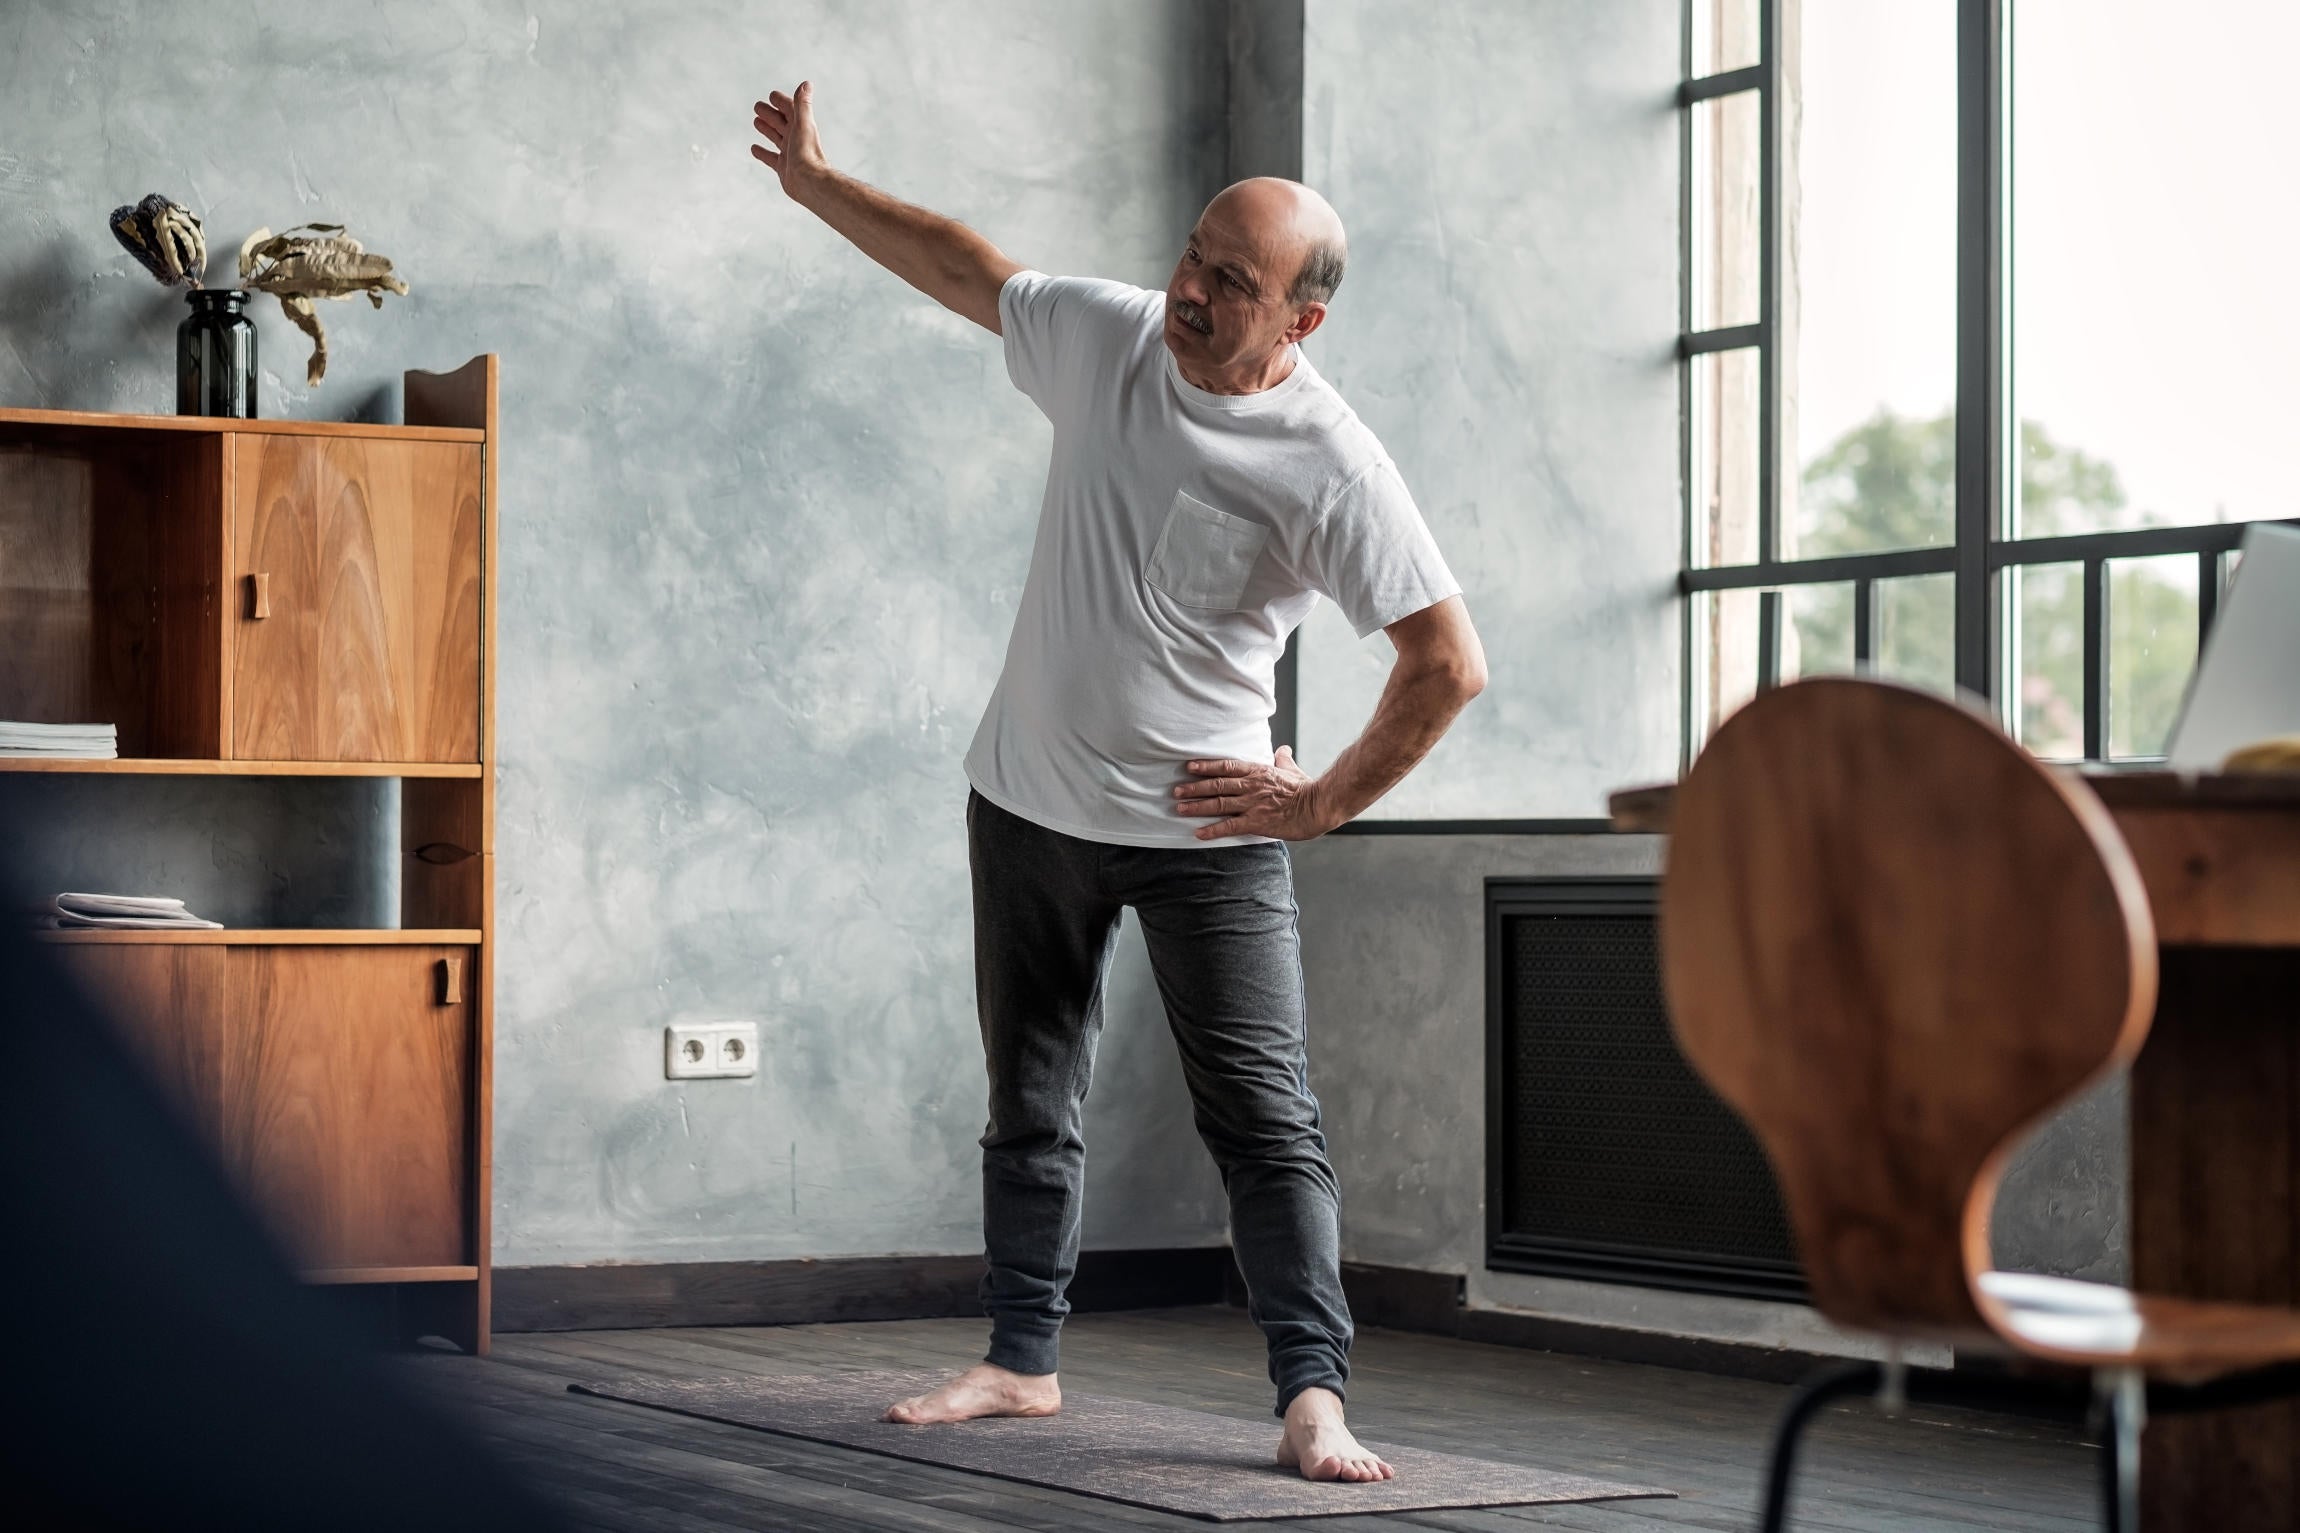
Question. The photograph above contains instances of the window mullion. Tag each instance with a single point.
(1769, 285)
(2096, 617)
(1985, 449)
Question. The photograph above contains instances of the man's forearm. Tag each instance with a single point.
(1416, 708)
(939, 256)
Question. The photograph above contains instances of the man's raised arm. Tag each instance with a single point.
(939, 256)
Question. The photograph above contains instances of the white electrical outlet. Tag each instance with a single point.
(710, 1050)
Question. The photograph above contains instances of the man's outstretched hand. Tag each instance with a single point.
(1278, 799)
(788, 123)
(939, 256)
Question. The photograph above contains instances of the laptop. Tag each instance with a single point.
(2247, 683)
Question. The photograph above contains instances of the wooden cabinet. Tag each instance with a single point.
(344, 1083)
(335, 1080)
(356, 629)
(293, 598)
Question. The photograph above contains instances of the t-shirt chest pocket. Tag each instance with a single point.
(1205, 557)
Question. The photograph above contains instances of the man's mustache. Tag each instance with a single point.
(1190, 314)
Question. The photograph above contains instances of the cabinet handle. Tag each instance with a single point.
(259, 596)
(451, 982)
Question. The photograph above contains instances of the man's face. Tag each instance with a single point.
(1226, 304)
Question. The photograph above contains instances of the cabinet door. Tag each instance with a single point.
(346, 1100)
(356, 634)
(167, 1002)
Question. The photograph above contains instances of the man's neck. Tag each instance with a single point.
(1271, 371)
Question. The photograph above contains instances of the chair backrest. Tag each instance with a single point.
(1892, 939)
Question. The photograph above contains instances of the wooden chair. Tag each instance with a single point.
(1893, 941)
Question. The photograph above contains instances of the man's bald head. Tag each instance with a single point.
(1277, 210)
(1253, 280)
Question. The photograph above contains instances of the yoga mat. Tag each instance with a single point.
(1211, 1467)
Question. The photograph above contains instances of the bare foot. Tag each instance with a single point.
(1321, 1447)
(983, 1390)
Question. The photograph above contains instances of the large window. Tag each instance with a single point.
(1985, 364)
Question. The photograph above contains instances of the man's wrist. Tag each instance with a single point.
(807, 185)
(1325, 814)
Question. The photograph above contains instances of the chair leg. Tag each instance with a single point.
(1811, 1398)
(2124, 1391)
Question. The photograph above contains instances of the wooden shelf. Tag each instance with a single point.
(274, 936)
(98, 420)
(391, 1275)
(184, 766)
(192, 581)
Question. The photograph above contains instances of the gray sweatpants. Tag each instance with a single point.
(1220, 926)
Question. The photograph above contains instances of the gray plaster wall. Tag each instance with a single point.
(2065, 1201)
(1508, 173)
(765, 514)
(1393, 947)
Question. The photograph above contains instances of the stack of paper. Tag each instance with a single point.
(84, 742)
(127, 912)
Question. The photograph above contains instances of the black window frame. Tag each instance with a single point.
(1987, 440)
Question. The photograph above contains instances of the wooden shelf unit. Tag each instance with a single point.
(293, 599)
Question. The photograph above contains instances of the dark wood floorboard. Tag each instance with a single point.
(625, 1467)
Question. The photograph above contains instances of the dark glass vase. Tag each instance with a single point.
(216, 355)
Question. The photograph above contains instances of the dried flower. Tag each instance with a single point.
(314, 261)
(165, 236)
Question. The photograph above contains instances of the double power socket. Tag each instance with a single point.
(705, 1051)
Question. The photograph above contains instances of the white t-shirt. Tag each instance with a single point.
(1183, 536)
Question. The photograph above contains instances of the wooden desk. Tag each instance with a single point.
(2215, 1106)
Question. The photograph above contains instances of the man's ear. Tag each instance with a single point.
(1312, 316)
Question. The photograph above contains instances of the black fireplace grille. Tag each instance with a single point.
(1607, 1158)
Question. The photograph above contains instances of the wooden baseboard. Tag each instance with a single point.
(621, 1296)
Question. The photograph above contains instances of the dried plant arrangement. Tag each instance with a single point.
(165, 237)
(313, 261)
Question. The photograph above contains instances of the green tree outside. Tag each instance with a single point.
(1890, 482)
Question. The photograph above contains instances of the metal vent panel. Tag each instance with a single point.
(1611, 1159)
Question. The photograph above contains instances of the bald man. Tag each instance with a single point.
(1207, 487)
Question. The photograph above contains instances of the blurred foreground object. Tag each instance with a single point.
(165, 236)
(2281, 754)
(314, 261)
(166, 1369)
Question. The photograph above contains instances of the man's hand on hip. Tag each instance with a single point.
(788, 123)
(1278, 799)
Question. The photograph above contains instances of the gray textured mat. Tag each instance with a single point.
(1212, 1467)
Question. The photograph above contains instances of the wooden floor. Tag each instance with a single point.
(624, 1466)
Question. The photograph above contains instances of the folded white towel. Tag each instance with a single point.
(118, 904)
(128, 912)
